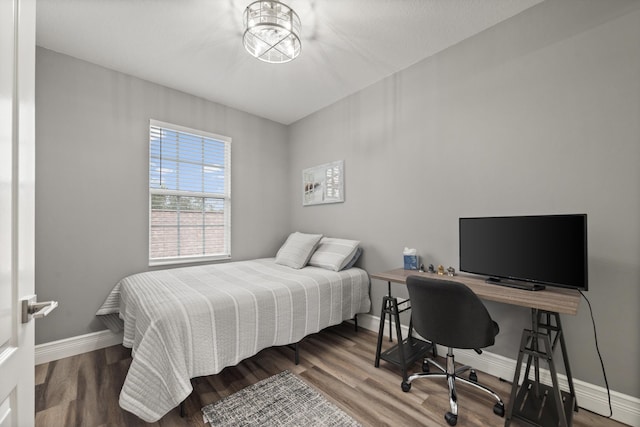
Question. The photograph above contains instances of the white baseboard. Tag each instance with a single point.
(626, 409)
(68, 347)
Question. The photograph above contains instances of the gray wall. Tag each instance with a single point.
(538, 115)
(92, 129)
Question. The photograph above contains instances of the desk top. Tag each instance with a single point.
(557, 300)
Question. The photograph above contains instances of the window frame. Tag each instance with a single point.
(226, 196)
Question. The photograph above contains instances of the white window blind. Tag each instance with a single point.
(189, 194)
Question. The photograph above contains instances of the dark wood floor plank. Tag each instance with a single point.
(50, 416)
(60, 385)
(41, 373)
(84, 390)
(349, 399)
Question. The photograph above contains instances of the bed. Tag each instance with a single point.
(188, 322)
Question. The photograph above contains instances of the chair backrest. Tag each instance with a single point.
(449, 313)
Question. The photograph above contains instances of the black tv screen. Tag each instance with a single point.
(543, 249)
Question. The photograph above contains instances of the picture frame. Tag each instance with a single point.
(323, 184)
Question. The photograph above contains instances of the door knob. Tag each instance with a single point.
(35, 310)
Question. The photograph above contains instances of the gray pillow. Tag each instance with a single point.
(334, 254)
(355, 258)
(297, 250)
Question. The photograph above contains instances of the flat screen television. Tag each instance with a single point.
(526, 252)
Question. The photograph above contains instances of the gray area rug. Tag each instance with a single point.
(280, 400)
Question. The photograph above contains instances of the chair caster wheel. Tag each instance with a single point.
(473, 376)
(498, 409)
(451, 419)
(405, 386)
(425, 366)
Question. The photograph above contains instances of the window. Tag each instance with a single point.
(189, 195)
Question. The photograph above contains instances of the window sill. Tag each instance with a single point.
(187, 260)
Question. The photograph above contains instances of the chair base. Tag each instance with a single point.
(452, 375)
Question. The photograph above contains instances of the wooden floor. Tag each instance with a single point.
(83, 390)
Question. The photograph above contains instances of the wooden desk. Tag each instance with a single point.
(529, 402)
(557, 300)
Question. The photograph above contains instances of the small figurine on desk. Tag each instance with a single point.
(421, 269)
(440, 270)
(451, 271)
(431, 268)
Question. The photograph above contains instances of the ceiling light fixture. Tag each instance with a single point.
(272, 32)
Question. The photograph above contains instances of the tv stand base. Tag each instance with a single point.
(514, 284)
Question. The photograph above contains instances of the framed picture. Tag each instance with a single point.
(323, 184)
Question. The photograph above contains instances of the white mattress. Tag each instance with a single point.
(194, 321)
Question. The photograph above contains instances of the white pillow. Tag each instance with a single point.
(334, 254)
(297, 250)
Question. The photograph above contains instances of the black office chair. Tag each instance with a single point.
(450, 314)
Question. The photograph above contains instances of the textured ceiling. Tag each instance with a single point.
(196, 46)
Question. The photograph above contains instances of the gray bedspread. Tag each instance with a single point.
(188, 322)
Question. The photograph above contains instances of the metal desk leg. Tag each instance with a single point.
(565, 359)
(536, 361)
(394, 311)
(562, 416)
(389, 295)
(516, 379)
(383, 313)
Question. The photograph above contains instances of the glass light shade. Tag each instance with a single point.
(272, 32)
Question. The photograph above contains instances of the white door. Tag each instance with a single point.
(17, 179)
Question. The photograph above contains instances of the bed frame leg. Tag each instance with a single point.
(355, 321)
(182, 412)
(296, 348)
